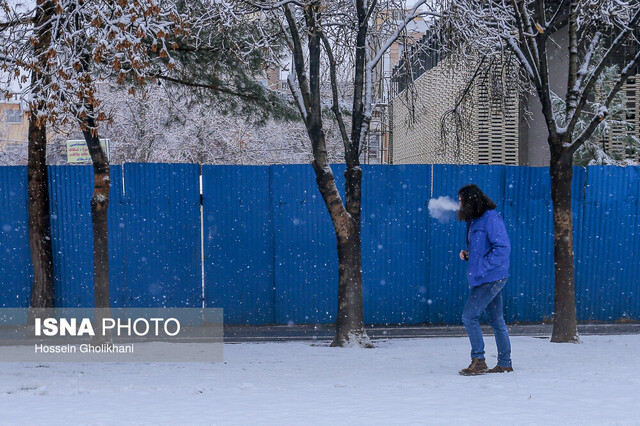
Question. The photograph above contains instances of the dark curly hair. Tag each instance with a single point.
(473, 203)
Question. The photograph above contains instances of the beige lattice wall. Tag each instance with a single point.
(497, 126)
(491, 138)
(631, 89)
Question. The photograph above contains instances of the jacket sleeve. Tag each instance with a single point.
(500, 245)
(466, 236)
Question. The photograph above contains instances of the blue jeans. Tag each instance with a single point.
(487, 297)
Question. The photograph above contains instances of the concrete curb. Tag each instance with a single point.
(279, 333)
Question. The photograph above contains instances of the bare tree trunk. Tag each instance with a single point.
(350, 319)
(564, 321)
(344, 216)
(42, 294)
(99, 207)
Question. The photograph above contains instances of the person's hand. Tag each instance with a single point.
(464, 254)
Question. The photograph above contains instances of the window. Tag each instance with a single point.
(14, 116)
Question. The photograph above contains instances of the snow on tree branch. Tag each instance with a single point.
(117, 38)
(598, 31)
(410, 16)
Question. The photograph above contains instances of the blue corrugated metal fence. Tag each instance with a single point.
(395, 241)
(154, 235)
(16, 271)
(238, 242)
(269, 248)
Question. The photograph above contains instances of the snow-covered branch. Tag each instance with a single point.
(597, 31)
(413, 14)
(584, 91)
(297, 95)
(116, 38)
(303, 91)
(604, 108)
(334, 91)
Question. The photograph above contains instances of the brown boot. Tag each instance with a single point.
(499, 369)
(477, 366)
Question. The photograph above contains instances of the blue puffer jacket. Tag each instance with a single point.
(489, 249)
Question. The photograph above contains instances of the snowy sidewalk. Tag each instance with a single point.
(401, 381)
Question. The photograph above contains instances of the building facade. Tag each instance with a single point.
(430, 125)
(14, 130)
(15, 124)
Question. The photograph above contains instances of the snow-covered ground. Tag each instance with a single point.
(412, 381)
